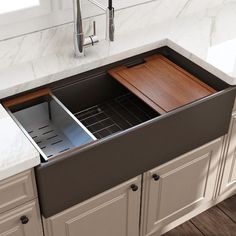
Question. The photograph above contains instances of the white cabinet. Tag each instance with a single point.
(112, 213)
(228, 183)
(19, 211)
(174, 189)
(17, 190)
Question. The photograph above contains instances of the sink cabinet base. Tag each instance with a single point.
(183, 186)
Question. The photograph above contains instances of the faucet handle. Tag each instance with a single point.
(92, 39)
(94, 28)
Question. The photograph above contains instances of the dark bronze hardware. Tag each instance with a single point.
(155, 177)
(134, 187)
(24, 220)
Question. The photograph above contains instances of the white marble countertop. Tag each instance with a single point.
(207, 37)
(16, 152)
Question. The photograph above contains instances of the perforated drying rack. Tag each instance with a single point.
(50, 139)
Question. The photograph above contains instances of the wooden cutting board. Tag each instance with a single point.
(161, 84)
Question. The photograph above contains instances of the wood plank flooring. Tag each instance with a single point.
(217, 221)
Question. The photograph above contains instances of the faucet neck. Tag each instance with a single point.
(79, 40)
(110, 5)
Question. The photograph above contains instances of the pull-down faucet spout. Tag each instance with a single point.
(80, 40)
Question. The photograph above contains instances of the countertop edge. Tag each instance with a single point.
(96, 62)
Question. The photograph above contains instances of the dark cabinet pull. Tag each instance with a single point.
(134, 187)
(155, 177)
(24, 220)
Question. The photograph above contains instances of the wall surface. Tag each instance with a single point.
(135, 14)
(130, 15)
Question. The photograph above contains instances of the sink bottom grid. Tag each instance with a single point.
(115, 115)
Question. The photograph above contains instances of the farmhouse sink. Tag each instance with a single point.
(99, 132)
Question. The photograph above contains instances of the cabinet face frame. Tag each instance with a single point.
(228, 181)
(74, 219)
(210, 154)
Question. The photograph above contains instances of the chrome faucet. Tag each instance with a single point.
(80, 41)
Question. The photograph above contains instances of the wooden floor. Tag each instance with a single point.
(217, 221)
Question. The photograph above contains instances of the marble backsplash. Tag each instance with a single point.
(57, 40)
(135, 14)
(209, 36)
(39, 44)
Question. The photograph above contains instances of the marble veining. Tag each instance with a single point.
(46, 56)
(16, 152)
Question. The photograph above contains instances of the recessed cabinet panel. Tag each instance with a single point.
(187, 182)
(16, 190)
(174, 189)
(12, 223)
(229, 173)
(112, 213)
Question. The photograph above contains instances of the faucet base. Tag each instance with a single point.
(88, 41)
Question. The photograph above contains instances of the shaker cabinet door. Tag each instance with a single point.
(112, 213)
(174, 189)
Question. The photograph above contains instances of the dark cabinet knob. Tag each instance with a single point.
(134, 187)
(155, 177)
(24, 220)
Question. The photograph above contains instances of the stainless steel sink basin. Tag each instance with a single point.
(52, 128)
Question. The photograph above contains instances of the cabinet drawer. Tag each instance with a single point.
(12, 224)
(16, 190)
